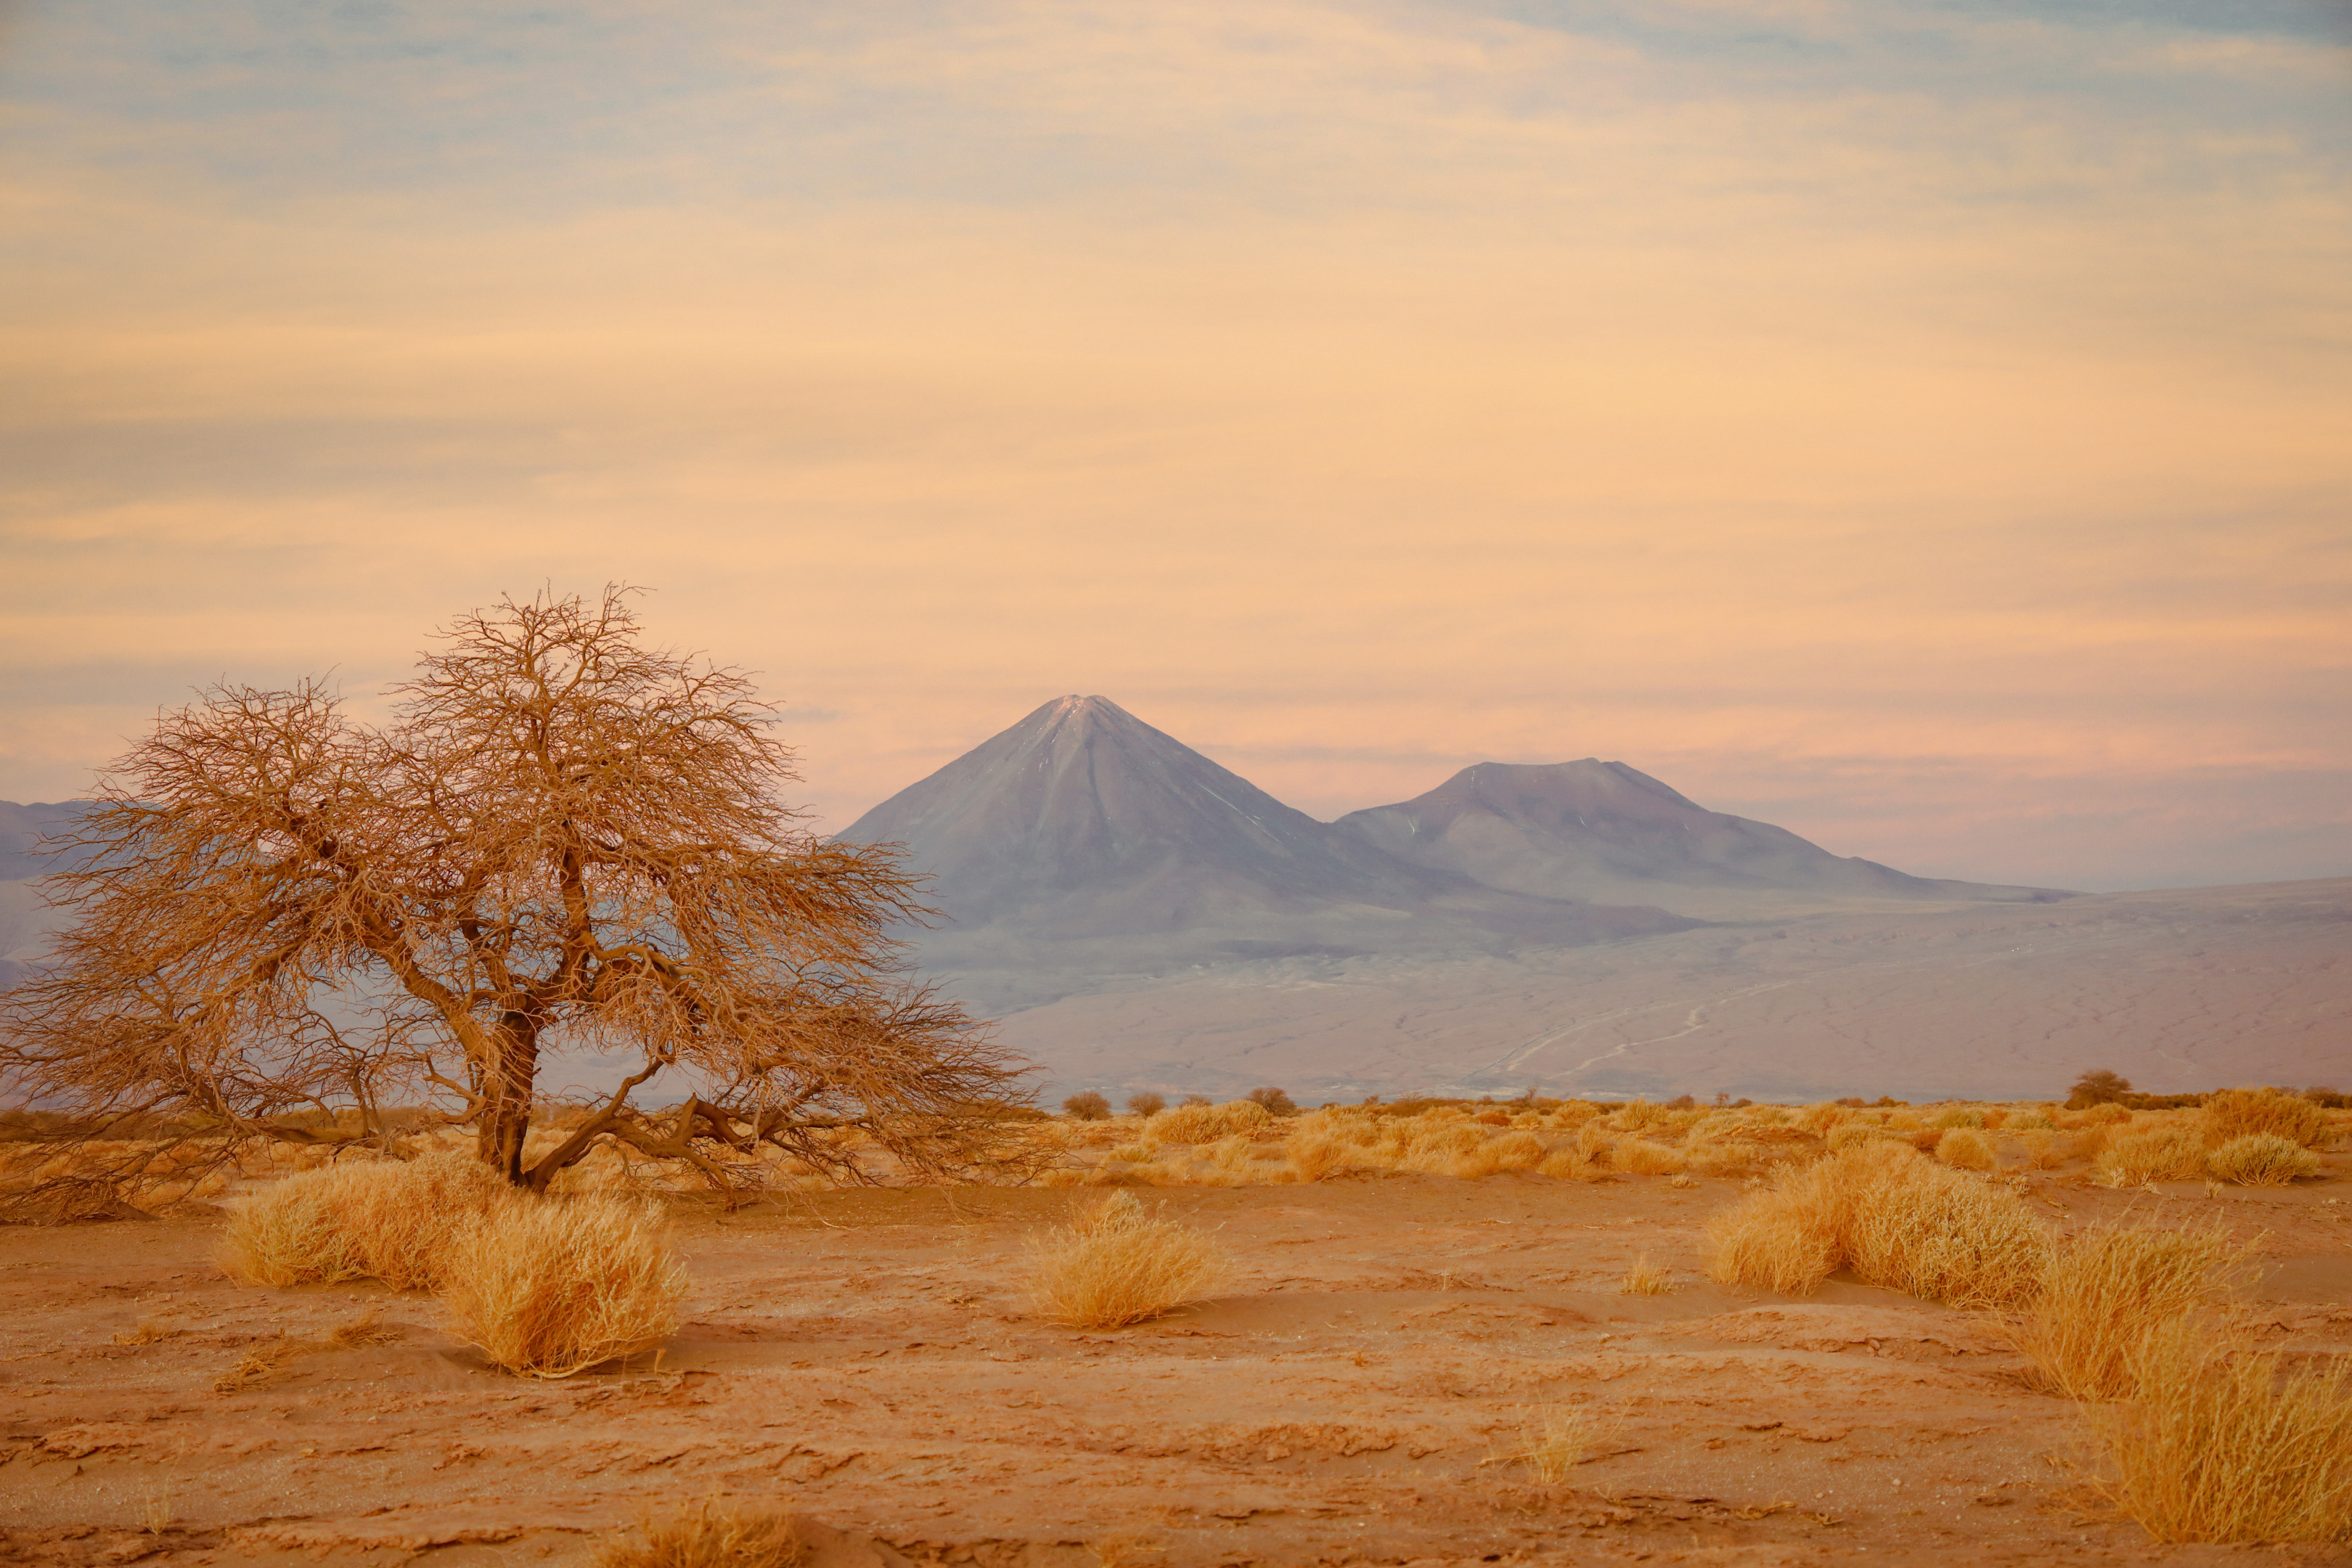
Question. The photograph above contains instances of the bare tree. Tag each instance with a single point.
(562, 841)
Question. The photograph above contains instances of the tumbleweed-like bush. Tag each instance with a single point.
(380, 1220)
(2174, 1152)
(1117, 1263)
(548, 1288)
(2107, 1290)
(1967, 1149)
(708, 1535)
(2236, 1112)
(1895, 1218)
(2229, 1442)
(2261, 1160)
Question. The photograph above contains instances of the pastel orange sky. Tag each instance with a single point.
(1927, 427)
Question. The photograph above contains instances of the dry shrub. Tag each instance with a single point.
(1571, 1166)
(1644, 1278)
(1206, 1123)
(2106, 1290)
(709, 1535)
(1315, 1154)
(1644, 1158)
(1967, 1149)
(1594, 1141)
(1516, 1151)
(1824, 1118)
(2168, 1153)
(1553, 1440)
(2227, 1441)
(380, 1220)
(548, 1288)
(2042, 1149)
(1118, 1264)
(1635, 1114)
(1720, 1159)
(2236, 1113)
(1896, 1219)
(2261, 1160)
(1957, 1117)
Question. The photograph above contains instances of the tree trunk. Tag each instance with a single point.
(507, 1094)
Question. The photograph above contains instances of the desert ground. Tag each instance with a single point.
(1360, 1389)
(2178, 990)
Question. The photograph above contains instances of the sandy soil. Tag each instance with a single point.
(2178, 990)
(865, 1360)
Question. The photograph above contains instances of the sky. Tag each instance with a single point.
(1923, 424)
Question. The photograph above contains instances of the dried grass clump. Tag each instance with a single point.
(2236, 1113)
(1644, 1158)
(1118, 1264)
(2107, 1290)
(1644, 1278)
(1516, 1151)
(2229, 1442)
(2175, 1153)
(1315, 1153)
(2261, 1160)
(1896, 1219)
(380, 1220)
(709, 1535)
(1206, 1123)
(548, 1288)
(1966, 1149)
(1553, 1440)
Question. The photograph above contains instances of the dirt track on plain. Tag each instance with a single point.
(865, 1360)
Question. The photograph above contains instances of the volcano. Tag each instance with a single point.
(1083, 843)
(1604, 831)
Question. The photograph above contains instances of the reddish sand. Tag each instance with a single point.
(865, 1360)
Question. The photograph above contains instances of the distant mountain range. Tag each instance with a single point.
(1082, 847)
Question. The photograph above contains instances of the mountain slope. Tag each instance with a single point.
(1083, 843)
(1600, 830)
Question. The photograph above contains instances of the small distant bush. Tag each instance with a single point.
(1116, 1264)
(2098, 1086)
(1276, 1101)
(1086, 1106)
(1315, 1153)
(548, 1288)
(1641, 1157)
(2230, 1442)
(709, 1535)
(2170, 1154)
(377, 1220)
(1959, 1118)
(2261, 1160)
(1196, 1100)
(2235, 1113)
(1143, 1102)
(1967, 1149)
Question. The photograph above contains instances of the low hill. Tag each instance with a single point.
(1610, 833)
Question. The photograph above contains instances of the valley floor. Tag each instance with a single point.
(865, 1360)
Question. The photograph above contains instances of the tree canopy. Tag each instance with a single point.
(560, 841)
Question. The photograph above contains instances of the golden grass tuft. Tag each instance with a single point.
(2227, 1441)
(1116, 1264)
(1645, 1278)
(2237, 1112)
(1553, 1440)
(1966, 1149)
(1896, 1219)
(380, 1220)
(1206, 1123)
(1644, 1158)
(707, 1534)
(2174, 1152)
(2106, 1290)
(548, 1288)
(1315, 1154)
(2261, 1160)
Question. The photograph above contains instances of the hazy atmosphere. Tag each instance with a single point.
(1919, 426)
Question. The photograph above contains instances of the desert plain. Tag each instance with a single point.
(1366, 1386)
